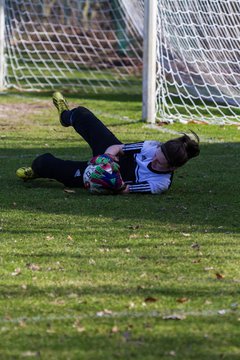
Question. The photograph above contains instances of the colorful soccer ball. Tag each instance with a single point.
(103, 177)
(89, 178)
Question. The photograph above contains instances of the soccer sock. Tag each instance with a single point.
(66, 117)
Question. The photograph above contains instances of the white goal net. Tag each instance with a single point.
(198, 60)
(72, 44)
(97, 46)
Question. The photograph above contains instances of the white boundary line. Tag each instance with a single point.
(179, 133)
(175, 315)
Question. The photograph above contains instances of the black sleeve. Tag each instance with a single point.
(140, 187)
(132, 148)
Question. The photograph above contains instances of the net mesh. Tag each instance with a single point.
(198, 60)
(97, 46)
(72, 44)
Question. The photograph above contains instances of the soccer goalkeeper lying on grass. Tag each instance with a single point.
(143, 167)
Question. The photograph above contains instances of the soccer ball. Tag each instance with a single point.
(102, 176)
(98, 171)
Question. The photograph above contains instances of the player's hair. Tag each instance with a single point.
(178, 151)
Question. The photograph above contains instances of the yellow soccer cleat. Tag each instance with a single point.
(25, 173)
(61, 104)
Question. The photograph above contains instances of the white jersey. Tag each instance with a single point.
(147, 179)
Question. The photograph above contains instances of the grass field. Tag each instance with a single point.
(117, 277)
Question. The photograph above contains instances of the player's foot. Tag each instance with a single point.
(25, 173)
(61, 104)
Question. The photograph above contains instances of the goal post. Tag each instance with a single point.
(2, 46)
(149, 61)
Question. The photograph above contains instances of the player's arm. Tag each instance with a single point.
(115, 151)
(145, 187)
(139, 187)
(119, 150)
(125, 190)
(134, 188)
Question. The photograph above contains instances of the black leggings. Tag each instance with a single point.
(68, 172)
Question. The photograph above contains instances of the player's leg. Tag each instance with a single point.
(68, 172)
(96, 134)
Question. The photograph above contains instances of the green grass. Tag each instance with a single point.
(77, 270)
(71, 77)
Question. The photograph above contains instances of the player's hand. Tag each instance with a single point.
(113, 157)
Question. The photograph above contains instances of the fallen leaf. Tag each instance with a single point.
(69, 238)
(73, 296)
(131, 305)
(22, 323)
(143, 257)
(114, 329)
(58, 302)
(33, 267)
(219, 276)
(162, 123)
(16, 272)
(195, 246)
(133, 227)
(133, 236)
(182, 300)
(172, 353)
(150, 299)
(105, 312)
(196, 261)
(208, 302)
(69, 191)
(222, 312)
(197, 122)
(77, 325)
(174, 317)
(31, 354)
(80, 329)
(103, 250)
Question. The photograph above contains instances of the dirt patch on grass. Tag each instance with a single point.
(22, 113)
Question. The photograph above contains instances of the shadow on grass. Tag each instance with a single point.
(205, 192)
(191, 291)
(148, 341)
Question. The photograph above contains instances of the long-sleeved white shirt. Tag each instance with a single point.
(147, 180)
